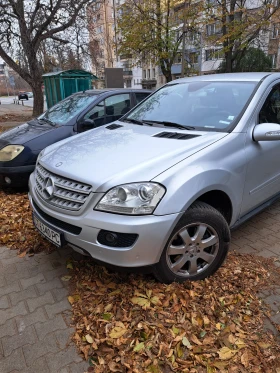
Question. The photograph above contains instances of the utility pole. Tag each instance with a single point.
(183, 43)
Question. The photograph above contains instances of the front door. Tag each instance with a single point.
(263, 169)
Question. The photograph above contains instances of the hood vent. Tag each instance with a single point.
(175, 135)
(113, 126)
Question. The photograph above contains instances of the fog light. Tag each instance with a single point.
(111, 237)
(7, 180)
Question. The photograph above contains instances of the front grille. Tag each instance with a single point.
(60, 191)
(57, 223)
(121, 239)
(175, 135)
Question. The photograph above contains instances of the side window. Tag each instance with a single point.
(270, 112)
(117, 106)
(97, 113)
(140, 96)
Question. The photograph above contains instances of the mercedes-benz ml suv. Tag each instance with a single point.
(163, 186)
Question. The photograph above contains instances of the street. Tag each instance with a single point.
(10, 100)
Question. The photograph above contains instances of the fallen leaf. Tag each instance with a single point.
(225, 353)
(66, 278)
(89, 338)
(139, 347)
(118, 331)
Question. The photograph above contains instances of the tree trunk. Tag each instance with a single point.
(228, 58)
(38, 104)
(168, 75)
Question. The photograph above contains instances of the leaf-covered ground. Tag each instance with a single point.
(16, 228)
(131, 323)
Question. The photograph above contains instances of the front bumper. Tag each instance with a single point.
(153, 232)
(17, 175)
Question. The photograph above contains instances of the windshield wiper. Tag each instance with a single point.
(47, 121)
(135, 121)
(170, 124)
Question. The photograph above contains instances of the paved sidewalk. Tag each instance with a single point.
(35, 313)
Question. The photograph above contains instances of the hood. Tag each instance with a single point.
(23, 133)
(105, 158)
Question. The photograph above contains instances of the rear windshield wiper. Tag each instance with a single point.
(131, 120)
(47, 121)
(171, 124)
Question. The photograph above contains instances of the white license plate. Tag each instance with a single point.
(47, 232)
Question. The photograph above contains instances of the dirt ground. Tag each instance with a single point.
(11, 115)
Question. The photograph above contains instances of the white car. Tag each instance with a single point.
(29, 94)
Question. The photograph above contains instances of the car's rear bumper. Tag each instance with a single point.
(15, 176)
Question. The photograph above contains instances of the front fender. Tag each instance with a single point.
(221, 169)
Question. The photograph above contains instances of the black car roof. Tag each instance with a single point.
(116, 90)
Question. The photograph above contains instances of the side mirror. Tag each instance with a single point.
(266, 132)
(85, 125)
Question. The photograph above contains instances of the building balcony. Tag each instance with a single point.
(149, 81)
(127, 72)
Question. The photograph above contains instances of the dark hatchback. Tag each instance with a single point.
(20, 146)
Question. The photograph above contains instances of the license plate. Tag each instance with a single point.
(55, 237)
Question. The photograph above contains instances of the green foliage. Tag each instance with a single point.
(152, 30)
(253, 60)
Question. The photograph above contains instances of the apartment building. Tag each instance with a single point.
(274, 41)
(102, 26)
(203, 52)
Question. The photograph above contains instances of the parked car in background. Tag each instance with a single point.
(20, 146)
(22, 95)
(163, 186)
(29, 94)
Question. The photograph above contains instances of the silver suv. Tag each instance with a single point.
(163, 186)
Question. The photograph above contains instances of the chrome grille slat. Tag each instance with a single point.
(72, 189)
(67, 194)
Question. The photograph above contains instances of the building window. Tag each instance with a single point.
(273, 60)
(210, 29)
(154, 73)
(193, 57)
(213, 29)
(213, 54)
(99, 29)
(144, 74)
(274, 31)
(149, 73)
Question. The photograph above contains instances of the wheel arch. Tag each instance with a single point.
(220, 201)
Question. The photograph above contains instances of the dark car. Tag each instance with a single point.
(23, 96)
(20, 146)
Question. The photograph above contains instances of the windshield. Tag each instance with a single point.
(65, 110)
(203, 105)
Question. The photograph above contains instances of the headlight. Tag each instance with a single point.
(132, 199)
(10, 152)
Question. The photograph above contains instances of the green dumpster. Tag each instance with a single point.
(61, 84)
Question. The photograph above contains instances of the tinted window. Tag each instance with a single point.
(67, 109)
(117, 105)
(140, 96)
(203, 104)
(97, 113)
(270, 112)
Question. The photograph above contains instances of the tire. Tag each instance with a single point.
(186, 255)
